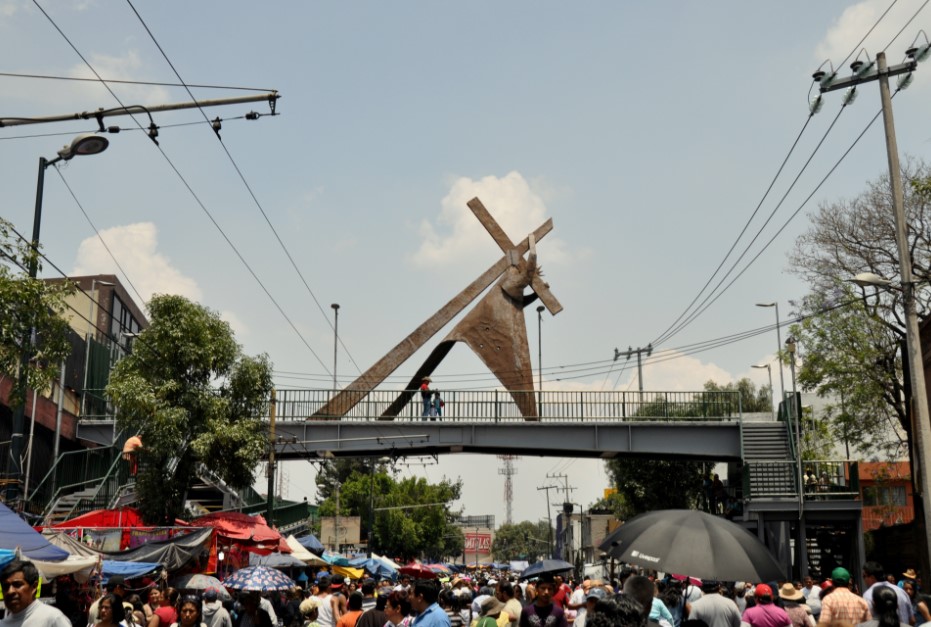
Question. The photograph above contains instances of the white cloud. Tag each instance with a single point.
(857, 20)
(135, 246)
(513, 203)
(236, 323)
(126, 67)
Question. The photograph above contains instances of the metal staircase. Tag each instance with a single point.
(769, 465)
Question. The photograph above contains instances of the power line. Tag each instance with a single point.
(242, 177)
(702, 306)
(128, 82)
(188, 186)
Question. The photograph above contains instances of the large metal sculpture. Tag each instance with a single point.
(495, 329)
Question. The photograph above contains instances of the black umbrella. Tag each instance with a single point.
(545, 567)
(692, 543)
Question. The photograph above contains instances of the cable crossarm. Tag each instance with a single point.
(270, 97)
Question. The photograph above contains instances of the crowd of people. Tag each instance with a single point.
(632, 600)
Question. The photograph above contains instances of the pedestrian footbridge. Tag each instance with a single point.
(686, 425)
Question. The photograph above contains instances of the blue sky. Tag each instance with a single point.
(648, 132)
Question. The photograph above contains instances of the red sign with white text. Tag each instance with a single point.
(477, 543)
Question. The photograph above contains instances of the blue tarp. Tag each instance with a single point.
(16, 532)
(376, 567)
(129, 570)
(334, 559)
(6, 556)
(311, 543)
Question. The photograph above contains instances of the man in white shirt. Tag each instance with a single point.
(19, 581)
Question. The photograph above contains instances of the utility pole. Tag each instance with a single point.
(270, 497)
(549, 514)
(921, 427)
(639, 352)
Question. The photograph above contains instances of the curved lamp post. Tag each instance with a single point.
(86, 144)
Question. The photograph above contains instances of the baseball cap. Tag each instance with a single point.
(762, 590)
(840, 575)
(596, 593)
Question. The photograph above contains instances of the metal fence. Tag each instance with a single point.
(499, 405)
(823, 480)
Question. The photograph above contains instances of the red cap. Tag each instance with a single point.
(762, 590)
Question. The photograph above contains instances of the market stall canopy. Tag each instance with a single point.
(16, 533)
(129, 570)
(301, 553)
(173, 553)
(105, 518)
(386, 560)
(376, 567)
(63, 541)
(275, 560)
(250, 531)
(311, 543)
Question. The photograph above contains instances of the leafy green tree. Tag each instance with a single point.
(26, 304)
(419, 523)
(647, 484)
(193, 398)
(853, 356)
(522, 541)
(751, 398)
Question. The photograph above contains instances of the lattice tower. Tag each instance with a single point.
(508, 471)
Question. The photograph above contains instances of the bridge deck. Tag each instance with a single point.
(695, 425)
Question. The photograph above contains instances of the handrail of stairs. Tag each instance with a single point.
(94, 500)
(42, 498)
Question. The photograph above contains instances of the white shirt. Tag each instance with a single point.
(36, 614)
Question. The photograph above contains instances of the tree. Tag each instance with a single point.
(522, 541)
(650, 484)
(853, 356)
(848, 237)
(413, 517)
(193, 398)
(27, 304)
(751, 399)
(849, 350)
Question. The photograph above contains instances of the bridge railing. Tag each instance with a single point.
(824, 480)
(499, 405)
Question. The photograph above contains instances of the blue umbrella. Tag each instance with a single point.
(258, 579)
(545, 567)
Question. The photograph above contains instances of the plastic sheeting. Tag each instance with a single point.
(172, 554)
(129, 570)
(311, 543)
(16, 533)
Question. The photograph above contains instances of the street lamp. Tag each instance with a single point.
(86, 144)
(782, 383)
(797, 420)
(91, 326)
(921, 428)
(335, 307)
(769, 371)
(540, 309)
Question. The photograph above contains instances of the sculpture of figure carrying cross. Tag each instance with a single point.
(495, 329)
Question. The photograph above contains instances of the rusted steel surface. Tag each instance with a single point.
(495, 329)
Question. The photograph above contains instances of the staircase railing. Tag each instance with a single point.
(107, 487)
(829, 480)
(72, 471)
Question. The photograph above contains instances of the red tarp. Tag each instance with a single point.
(119, 518)
(244, 528)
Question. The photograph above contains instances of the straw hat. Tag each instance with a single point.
(788, 592)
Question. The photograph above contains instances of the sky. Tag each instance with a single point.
(648, 133)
